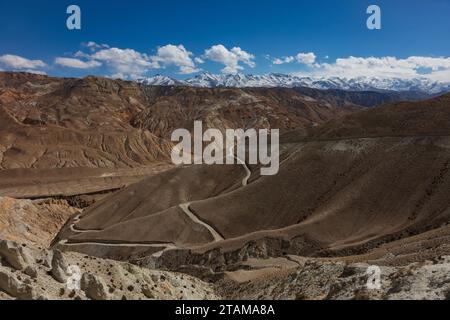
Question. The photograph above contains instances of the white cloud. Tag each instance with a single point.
(283, 60)
(77, 63)
(441, 75)
(131, 64)
(385, 67)
(17, 62)
(81, 54)
(177, 56)
(95, 46)
(434, 68)
(230, 58)
(427, 62)
(199, 60)
(244, 56)
(126, 63)
(306, 58)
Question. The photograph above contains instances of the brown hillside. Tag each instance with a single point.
(372, 195)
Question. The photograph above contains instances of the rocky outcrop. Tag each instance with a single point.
(15, 255)
(290, 277)
(59, 267)
(322, 280)
(55, 275)
(94, 287)
(11, 285)
(31, 221)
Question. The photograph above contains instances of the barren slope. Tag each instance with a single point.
(33, 222)
(334, 195)
(100, 128)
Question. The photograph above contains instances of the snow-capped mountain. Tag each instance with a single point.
(208, 80)
(160, 80)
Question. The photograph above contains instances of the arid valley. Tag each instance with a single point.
(86, 180)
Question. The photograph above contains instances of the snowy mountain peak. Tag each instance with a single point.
(271, 80)
(160, 80)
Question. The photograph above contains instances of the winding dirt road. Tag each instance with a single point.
(164, 246)
(185, 207)
(247, 169)
(73, 228)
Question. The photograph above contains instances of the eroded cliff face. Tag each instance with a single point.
(35, 134)
(33, 221)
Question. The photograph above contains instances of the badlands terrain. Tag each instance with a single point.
(86, 180)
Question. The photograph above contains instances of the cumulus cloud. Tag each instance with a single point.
(441, 75)
(199, 60)
(125, 63)
(77, 63)
(177, 56)
(20, 63)
(230, 58)
(351, 67)
(283, 60)
(244, 56)
(304, 58)
(81, 54)
(131, 64)
(93, 46)
(434, 68)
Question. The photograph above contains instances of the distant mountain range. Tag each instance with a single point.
(208, 80)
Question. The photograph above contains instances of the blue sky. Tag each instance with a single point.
(321, 37)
